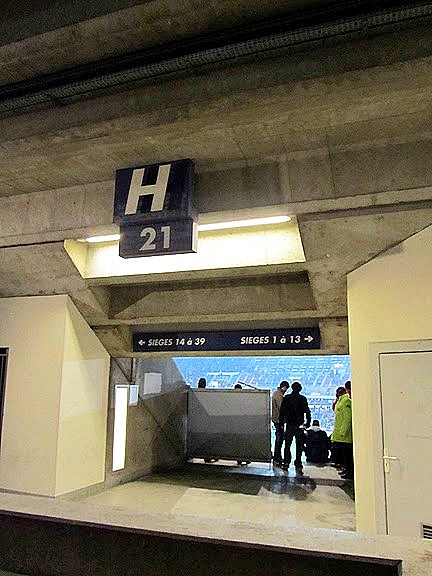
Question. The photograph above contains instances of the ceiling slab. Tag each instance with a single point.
(40, 39)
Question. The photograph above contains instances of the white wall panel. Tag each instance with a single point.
(54, 425)
(389, 300)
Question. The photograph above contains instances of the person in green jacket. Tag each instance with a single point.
(342, 432)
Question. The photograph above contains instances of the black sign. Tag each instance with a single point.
(153, 193)
(271, 339)
(169, 237)
(153, 205)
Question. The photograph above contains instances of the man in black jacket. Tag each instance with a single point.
(294, 411)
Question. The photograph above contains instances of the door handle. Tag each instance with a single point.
(387, 463)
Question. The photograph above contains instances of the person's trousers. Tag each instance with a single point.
(279, 427)
(348, 457)
(292, 432)
(337, 453)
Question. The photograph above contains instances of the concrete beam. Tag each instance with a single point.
(79, 212)
(334, 334)
(216, 297)
(117, 340)
(121, 30)
(47, 269)
(248, 124)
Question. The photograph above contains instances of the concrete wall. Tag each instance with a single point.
(33, 329)
(55, 361)
(156, 427)
(172, 378)
(389, 300)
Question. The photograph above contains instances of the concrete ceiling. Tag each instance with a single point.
(342, 138)
(53, 35)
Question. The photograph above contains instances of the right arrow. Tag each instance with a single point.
(309, 338)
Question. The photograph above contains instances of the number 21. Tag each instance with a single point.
(150, 235)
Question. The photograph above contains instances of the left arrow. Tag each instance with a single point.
(141, 342)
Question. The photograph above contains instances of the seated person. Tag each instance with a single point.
(317, 444)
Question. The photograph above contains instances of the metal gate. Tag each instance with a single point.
(229, 424)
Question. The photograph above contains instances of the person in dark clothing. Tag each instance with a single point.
(202, 383)
(317, 444)
(296, 415)
(347, 387)
(279, 427)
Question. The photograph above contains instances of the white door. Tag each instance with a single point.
(406, 389)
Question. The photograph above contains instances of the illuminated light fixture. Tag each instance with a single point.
(212, 226)
(244, 223)
(120, 425)
(107, 238)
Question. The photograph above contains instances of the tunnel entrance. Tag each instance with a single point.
(227, 487)
(169, 395)
(319, 376)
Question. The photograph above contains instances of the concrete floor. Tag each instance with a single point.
(257, 493)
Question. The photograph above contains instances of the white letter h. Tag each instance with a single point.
(158, 190)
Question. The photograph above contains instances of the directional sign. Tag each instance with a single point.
(264, 339)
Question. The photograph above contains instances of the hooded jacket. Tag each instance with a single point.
(343, 420)
(317, 445)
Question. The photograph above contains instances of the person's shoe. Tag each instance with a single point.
(347, 476)
(299, 471)
(284, 466)
(245, 463)
(277, 462)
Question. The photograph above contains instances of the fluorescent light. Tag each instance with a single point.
(107, 238)
(120, 422)
(244, 223)
(213, 226)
